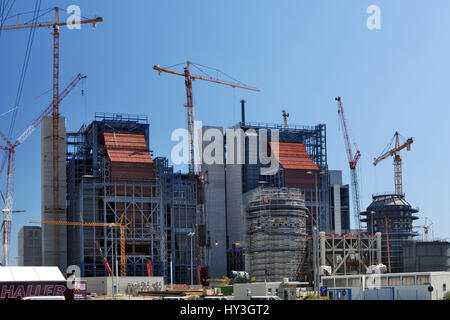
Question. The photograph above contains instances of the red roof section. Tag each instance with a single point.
(292, 155)
(127, 147)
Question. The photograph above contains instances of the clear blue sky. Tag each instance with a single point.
(301, 54)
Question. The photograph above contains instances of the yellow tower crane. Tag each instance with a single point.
(426, 229)
(189, 77)
(397, 159)
(121, 225)
(56, 24)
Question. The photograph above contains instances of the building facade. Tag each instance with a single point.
(112, 177)
(30, 246)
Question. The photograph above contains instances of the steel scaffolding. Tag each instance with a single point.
(276, 234)
(161, 210)
(315, 142)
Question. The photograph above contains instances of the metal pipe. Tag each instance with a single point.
(243, 111)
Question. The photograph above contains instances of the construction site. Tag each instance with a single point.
(121, 216)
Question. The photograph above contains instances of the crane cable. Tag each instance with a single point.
(22, 76)
(4, 9)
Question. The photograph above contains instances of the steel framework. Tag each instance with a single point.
(315, 141)
(346, 254)
(161, 211)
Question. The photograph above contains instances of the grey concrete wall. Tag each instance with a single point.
(235, 210)
(30, 246)
(215, 211)
(426, 256)
(104, 285)
(54, 238)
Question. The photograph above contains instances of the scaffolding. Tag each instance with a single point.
(345, 254)
(276, 234)
(315, 142)
(392, 216)
(160, 205)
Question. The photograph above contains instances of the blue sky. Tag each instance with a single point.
(301, 54)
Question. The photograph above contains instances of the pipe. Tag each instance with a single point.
(243, 111)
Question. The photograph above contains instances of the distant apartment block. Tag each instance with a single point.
(30, 246)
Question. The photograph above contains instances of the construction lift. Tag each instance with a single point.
(55, 24)
(189, 77)
(11, 149)
(397, 159)
(121, 225)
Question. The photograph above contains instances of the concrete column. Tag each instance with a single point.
(378, 235)
(322, 248)
(49, 237)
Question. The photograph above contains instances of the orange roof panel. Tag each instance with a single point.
(127, 147)
(292, 155)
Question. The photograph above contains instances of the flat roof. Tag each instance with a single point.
(13, 274)
(445, 273)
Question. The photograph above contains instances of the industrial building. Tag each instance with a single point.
(426, 256)
(300, 152)
(30, 246)
(388, 286)
(214, 199)
(302, 157)
(113, 178)
(393, 216)
(339, 203)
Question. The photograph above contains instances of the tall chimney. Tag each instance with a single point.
(243, 111)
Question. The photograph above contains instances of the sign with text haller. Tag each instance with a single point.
(19, 290)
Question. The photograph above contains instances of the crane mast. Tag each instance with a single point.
(11, 149)
(56, 24)
(397, 160)
(353, 161)
(190, 115)
(189, 77)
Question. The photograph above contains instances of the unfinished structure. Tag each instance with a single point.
(276, 234)
(302, 157)
(111, 175)
(345, 254)
(54, 237)
(393, 216)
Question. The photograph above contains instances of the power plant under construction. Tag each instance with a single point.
(268, 210)
(276, 231)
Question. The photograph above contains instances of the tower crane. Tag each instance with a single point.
(121, 225)
(426, 229)
(285, 116)
(11, 149)
(188, 78)
(397, 159)
(55, 24)
(352, 161)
